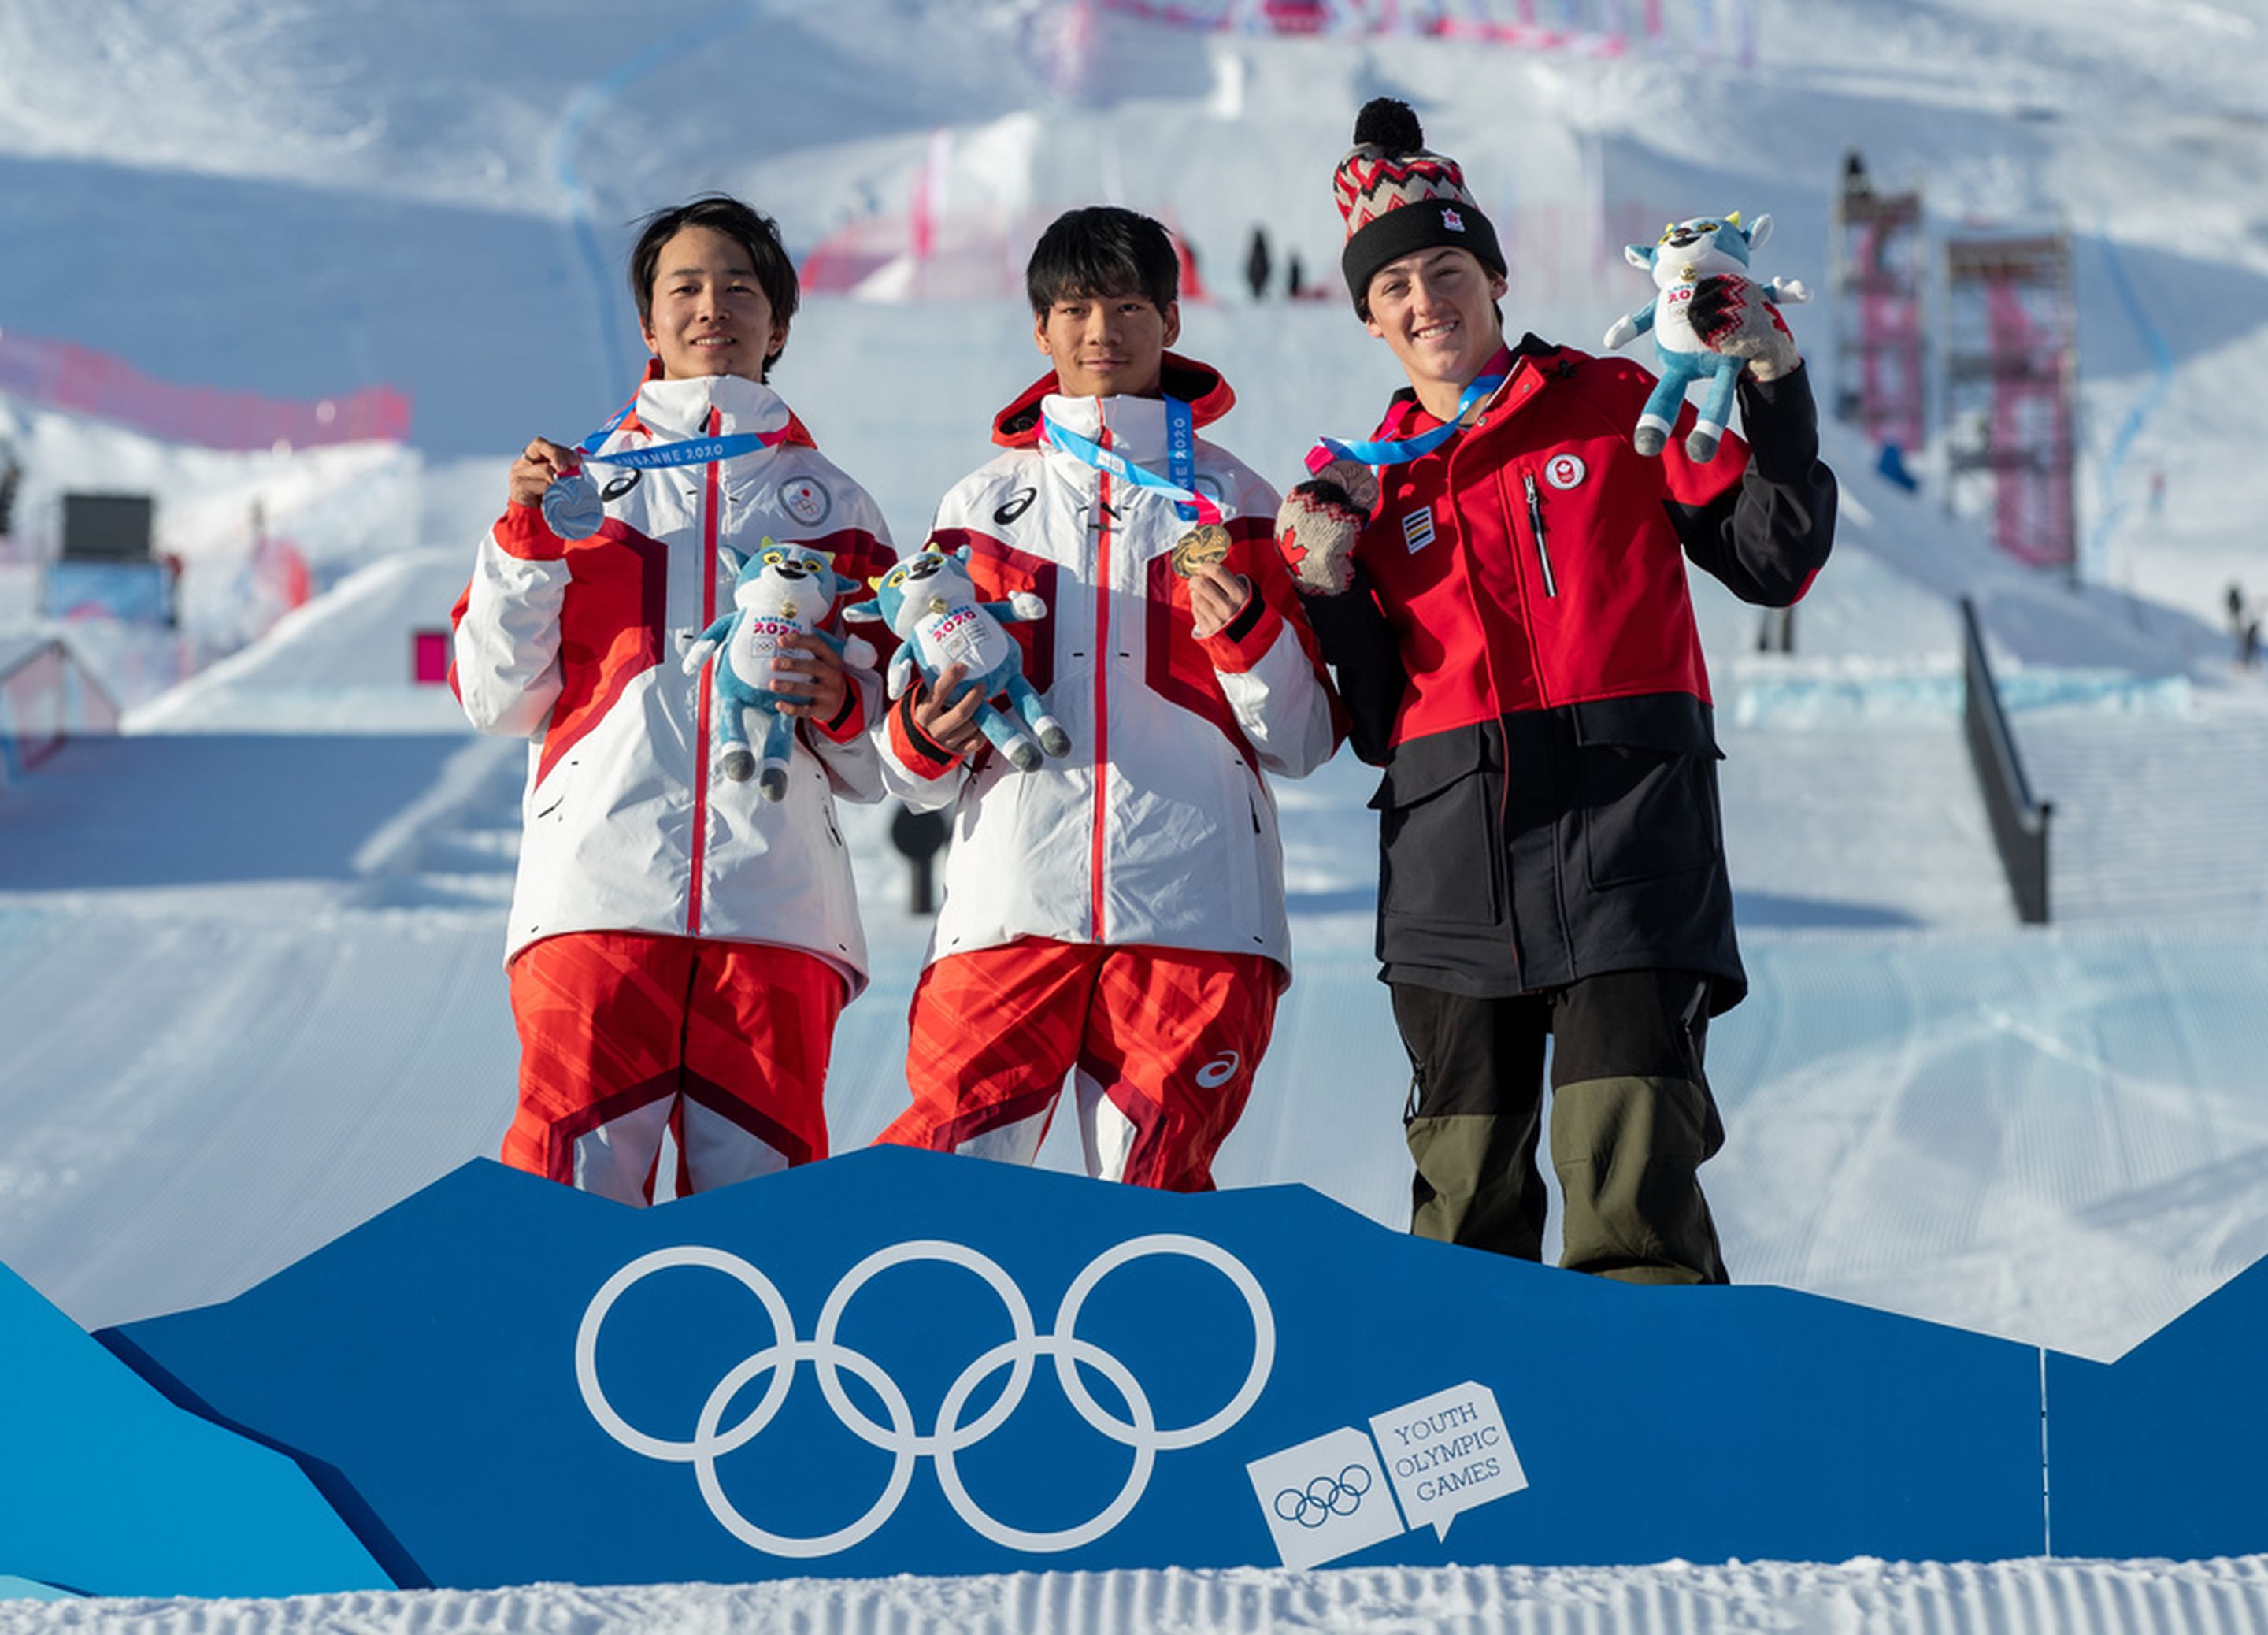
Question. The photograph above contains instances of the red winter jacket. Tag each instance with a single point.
(1519, 655)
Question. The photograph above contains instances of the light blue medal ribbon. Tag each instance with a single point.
(572, 508)
(1396, 453)
(1182, 457)
(1181, 453)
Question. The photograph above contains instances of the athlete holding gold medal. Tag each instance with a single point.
(1118, 914)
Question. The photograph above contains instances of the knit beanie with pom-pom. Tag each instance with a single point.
(1398, 198)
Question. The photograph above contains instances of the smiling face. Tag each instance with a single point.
(1108, 345)
(1436, 310)
(711, 316)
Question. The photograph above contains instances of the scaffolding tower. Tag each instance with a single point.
(1881, 264)
(2011, 373)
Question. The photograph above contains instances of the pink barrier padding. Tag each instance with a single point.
(45, 697)
(976, 254)
(33, 708)
(1381, 16)
(429, 657)
(59, 375)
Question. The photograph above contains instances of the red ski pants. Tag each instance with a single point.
(624, 1036)
(1165, 1041)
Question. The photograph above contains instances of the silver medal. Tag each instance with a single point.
(572, 506)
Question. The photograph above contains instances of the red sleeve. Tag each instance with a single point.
(1247, 637)
(522, 532)
(919, 753)
(850, 720)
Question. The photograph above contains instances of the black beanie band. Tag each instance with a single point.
(1415, 226)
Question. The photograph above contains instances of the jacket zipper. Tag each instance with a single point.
(1536, 525)
(711, 501)
(1101, 689)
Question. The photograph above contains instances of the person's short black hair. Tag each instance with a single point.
(751, 229)
(1102, 250)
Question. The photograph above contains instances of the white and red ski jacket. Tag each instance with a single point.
(1158, 828)
(627, 823)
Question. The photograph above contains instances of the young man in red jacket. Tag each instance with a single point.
(1116, 913)
(1499, 580)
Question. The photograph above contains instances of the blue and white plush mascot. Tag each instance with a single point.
(930, 601)
(782, 589)
(1710, 319)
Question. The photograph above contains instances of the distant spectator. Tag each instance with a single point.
(1295, 277)
(11, 478)
(1892, 465)
(1257, 265)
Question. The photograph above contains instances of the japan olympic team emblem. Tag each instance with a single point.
(1139, 1430)
(806, 499)
(1564, 471)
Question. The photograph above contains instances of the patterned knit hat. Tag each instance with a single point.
(1398, 198)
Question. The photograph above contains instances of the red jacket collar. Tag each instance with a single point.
(1405, 416)
(1200, 385)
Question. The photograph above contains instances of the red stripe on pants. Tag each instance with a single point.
(614, 1022)
(1170, 1037)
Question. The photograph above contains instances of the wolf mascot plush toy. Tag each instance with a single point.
(1710, 319)
(782, 589)
(929, 601)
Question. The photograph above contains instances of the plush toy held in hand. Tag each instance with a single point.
(1710, 319)
(782, 591)
(930, 601)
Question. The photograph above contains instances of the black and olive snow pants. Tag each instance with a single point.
(1631, 1122)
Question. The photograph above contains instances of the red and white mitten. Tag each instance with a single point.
(1741, 318)
(1319, 522)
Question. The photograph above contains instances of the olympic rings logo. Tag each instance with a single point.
(712, 1439)
(1325, 1497)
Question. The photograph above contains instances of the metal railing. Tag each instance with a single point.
(2019, 823)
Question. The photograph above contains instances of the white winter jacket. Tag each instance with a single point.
(1159, 827)
(628, 824)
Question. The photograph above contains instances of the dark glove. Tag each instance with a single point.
(1738, 317)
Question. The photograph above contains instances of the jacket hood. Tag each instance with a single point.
(1198, 384)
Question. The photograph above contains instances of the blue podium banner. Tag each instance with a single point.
(899, 1362)
(107, 1489)
(2164, 1452)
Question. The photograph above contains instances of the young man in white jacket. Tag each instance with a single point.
(680, 944)
(1118, 912)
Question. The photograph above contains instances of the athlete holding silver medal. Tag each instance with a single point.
(679, 948)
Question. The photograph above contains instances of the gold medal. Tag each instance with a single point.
(1200, 545)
